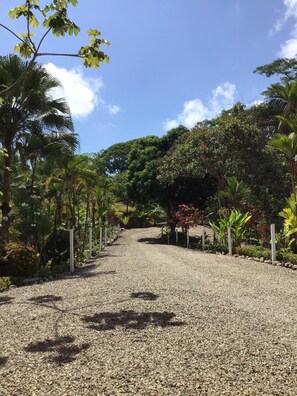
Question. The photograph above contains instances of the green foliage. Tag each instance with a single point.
(143, 186)
(236, 221)
(286, 68)
(257, 251)
(19, 260)
(144, 216)
(289, 214)
(254, 251)
(55, 20)
(286, 256)
(5, 282)
(45, 271)
(233, 144)
(235, 192)
(57, 247)
(287, 144)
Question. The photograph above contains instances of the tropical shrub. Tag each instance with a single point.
(289, 214)
(189, 216)
(57, 247)
(254, 251)
(234, 219)
(258, 251)
(19, 260)
(286, 256)
(5, 281)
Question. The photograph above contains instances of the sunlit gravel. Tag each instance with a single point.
(151, 319)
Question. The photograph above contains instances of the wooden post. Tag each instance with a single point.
(176, 236)
(188, 237)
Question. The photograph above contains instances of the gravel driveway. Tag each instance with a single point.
(151, 319)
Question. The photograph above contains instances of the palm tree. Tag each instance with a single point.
(283, 98)
(287, 144)
(72, 184)
(234, 192)
(27, 109)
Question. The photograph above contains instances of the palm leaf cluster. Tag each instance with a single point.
(45, 187)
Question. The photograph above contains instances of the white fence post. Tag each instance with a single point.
(71, 250)
(273, 249)
(90, 241)
(229, 241)
(100, 238)
(105, 235)
(203, 239)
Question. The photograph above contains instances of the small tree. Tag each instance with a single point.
(55, 20)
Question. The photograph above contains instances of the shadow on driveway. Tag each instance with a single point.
(130, 320)
(63, 349)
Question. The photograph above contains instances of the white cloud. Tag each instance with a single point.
(290, 12)
(81, 93)
(113, 109)
(223, 97)
(289, 47)
(291, 8)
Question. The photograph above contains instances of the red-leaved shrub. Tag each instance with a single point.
(18, 259)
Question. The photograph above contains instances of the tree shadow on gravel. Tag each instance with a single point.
(148, 296)
(130, 320)
(152, 241)
(88, 271)
(46, 299)
(3, 360)
(63, 349)
(6, 300)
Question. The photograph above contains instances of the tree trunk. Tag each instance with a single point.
(6, 180)
(93, 213)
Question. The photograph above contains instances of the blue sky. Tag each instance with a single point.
(171, 62)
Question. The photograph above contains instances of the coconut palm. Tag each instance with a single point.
(27, 109)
